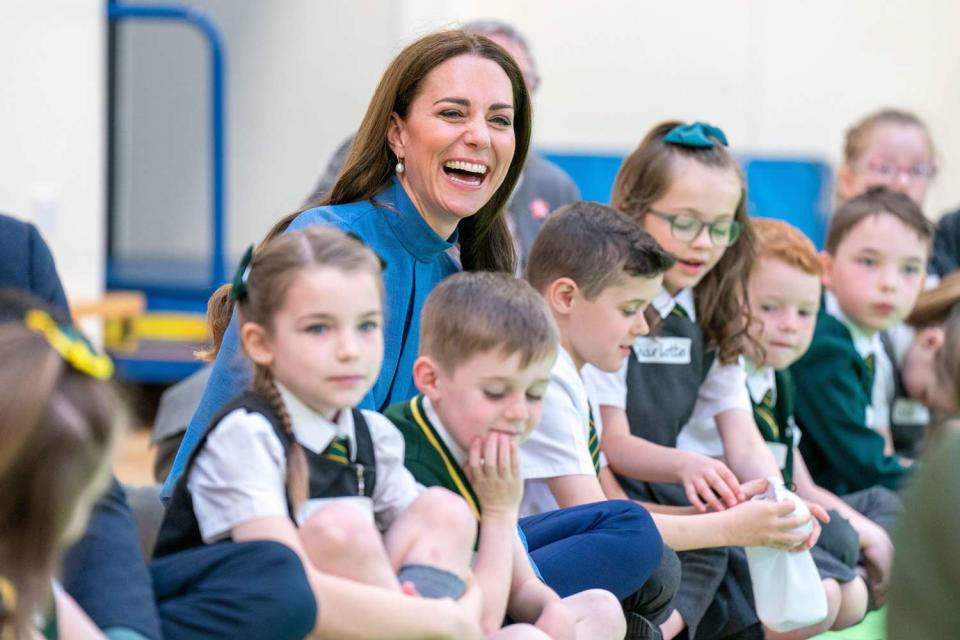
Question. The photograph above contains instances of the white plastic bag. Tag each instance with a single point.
(786, 586)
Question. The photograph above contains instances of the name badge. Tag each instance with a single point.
(910, 413)
(779, 451)
(363, 504)
(665, 350)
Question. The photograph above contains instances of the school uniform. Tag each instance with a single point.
(670, 384)
(238, 471)
(837, 552)
(613, 546)
(909, 419)
(834, 397)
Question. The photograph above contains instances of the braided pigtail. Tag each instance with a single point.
(297, 483)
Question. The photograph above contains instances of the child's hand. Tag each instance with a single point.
(468, 611)
(878, 557)
(762, 523)
(494, 472)
(557, 621)
(819, 515)
(710, 481)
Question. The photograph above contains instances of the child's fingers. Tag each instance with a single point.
(754, 487)
(707, 494)
(490, 453)
(474, 457)
(792, 522)
(819, 512)
(784, 508)
(730, 480)
(503, 455)
(694, 498)
(514, 457)
(721, 487)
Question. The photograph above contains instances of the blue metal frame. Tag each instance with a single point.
(117, 11)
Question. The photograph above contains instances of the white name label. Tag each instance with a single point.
(910, 412)
(664, 350)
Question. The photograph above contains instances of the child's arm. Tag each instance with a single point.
(748, 524)
(743, 446)
(345, 608)
(704, 479)
(534, 602)
(499, 487)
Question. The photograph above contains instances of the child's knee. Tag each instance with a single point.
(853, 604)
(442, 510)
(339, 529)
(605, 610)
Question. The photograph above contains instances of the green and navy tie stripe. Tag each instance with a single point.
(338, 450)
(765, 411)
(594, 444)
(871, 362)
(679, 311)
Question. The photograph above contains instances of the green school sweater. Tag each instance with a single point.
(425, 454)
(777, 425)
(833, 390)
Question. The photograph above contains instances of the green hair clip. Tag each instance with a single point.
(70, 344)
(238, 288)
(698, 135)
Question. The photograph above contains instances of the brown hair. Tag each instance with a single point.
(779, 240)
(858, 136)
(271, 273)
(874, 201)
(470, 313)
(485, 242)
(723, 310)
(935, 305)
(594, 245)
(57, 426)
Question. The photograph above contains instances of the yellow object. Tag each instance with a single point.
(72, 348)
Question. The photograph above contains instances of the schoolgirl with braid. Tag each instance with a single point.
(292, 460)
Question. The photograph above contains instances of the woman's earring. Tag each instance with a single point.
(399, 168)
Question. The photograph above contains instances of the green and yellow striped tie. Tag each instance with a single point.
(765, 411)
(594, 443)
(871, 362)
(679, 311)
(338, 450)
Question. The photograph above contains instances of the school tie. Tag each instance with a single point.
(338, 450)
(679, 311)
(871, 362)
(765, 411)
(594, 443)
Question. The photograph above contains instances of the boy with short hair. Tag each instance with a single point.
(784, 292)
(874, 266)
(486, 350)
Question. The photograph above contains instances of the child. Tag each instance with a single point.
(58, 423)
(598, 271)
(293, 451)
(877, 246)
(784, 290)
(685, 188)
(486, 348)
(888, 148)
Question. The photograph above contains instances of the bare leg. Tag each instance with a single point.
(519, 632)
(598, 613)
(341, 541)
(853, 605)
(672, 626)
(436, 530)
(832, 589)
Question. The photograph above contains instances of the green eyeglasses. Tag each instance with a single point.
(686, 227)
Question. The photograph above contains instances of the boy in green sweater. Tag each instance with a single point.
(873, 271)
(486, 349)
(784, 292)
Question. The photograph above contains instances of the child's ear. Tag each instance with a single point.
(845, 182)
(256, 343)
(395, 135)
(560, 295)
(826, 260)
(425, 374)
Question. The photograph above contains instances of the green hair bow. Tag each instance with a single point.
(698, 135)
(238, 289)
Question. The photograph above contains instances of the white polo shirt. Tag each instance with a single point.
(240, 474)
(558, 446)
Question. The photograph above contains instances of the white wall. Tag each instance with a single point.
(781, 78)
(52, 130)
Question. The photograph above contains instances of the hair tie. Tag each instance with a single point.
(72, 346)
(238, 288)
(383, 263)
(698, 135)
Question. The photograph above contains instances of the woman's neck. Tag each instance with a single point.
(442, 224)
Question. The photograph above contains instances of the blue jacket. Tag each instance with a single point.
(416, 262)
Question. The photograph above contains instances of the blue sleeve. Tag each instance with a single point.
(228, 378)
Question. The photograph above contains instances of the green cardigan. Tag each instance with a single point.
(781, 428)
(833, 390)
